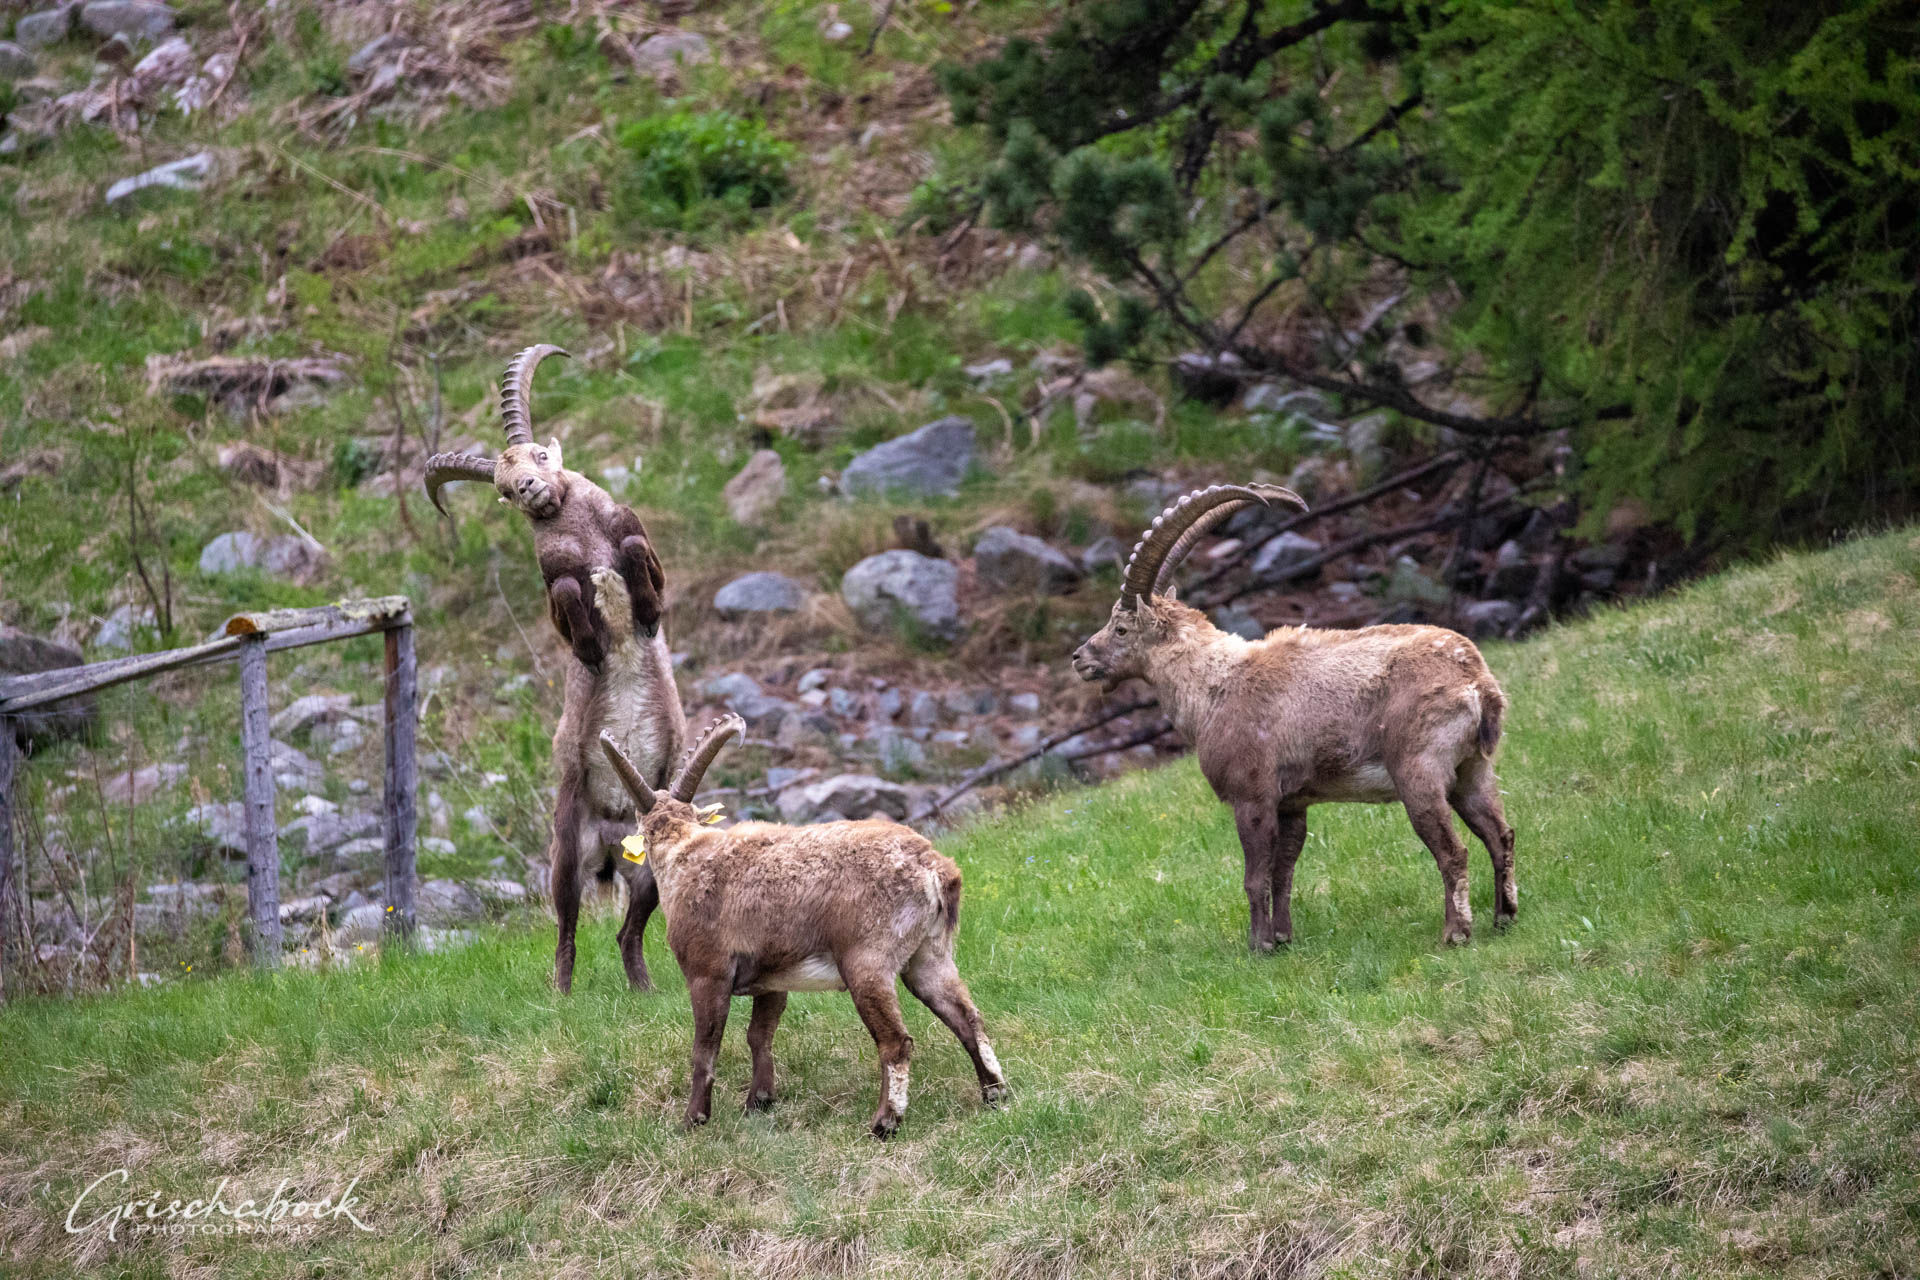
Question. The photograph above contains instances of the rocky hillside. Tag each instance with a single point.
(256, 263)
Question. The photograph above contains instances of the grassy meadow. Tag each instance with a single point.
(1695, 1055)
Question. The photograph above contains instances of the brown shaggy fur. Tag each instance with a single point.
(1305, 717)
(762, 909)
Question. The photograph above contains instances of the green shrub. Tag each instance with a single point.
(686, 169)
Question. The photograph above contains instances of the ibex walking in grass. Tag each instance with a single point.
(761, 909)
(604, 592)
(1307, 716)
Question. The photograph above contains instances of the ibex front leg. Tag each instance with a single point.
(1259, 841)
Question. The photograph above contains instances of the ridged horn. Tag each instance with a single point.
(701, 756)
(1174, 531)
(629, 776)
(443, 467)
(516, 391)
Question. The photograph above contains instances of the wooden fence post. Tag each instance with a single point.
(402, 715)
(263, 838)
(7, 755)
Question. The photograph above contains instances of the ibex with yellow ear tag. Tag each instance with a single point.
(761, 909)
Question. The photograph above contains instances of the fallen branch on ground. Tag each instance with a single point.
(998, 767)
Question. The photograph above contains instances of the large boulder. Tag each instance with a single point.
(1014, 561)
(23, 654)
(285, 556)
(850, 795)
(896, 585)
(148, 19)
(223, 824)
(49, 26)
(121, 629)
(757, 593)
(446, 902)
(319, 833)
(1281, 554)
(757, 489)
(928, 463)
(308, 710)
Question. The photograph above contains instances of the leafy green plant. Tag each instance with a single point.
(686, 169)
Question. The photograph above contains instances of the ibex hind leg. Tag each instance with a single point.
(1476, 798)
(935, 982)
(1426, 803)
(871, 986)
(766, 1020)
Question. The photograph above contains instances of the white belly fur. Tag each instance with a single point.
(815, 973)
(1368, 784)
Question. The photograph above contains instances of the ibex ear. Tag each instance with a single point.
(553, 448)
(1172, 592)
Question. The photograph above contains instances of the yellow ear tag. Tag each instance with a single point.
(709, 814)
(634, 847)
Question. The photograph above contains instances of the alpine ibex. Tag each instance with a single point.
(761, 909)
(604, 592)
(1308, 716)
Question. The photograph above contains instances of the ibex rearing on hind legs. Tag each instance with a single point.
(1307, 716)
(605, 590)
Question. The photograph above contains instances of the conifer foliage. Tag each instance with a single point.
(1682, 230)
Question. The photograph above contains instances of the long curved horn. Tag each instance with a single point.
(442, 467)
(702, 754)
(516, 391)
(1174, 531)
(629, 776)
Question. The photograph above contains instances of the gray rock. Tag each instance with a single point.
(304, 910)
(321, 833)
(1282, 553)
(988, 371)
(15, 62)
(923, 710)
(763, 712)
(224, 824)
(1283, 401)
(899, 753)
(500, 889)
(724, 688)
(293, 769)
(928, 463)
(1485, 618)
(22, 653)
(1198, 375)
(1107, 550)
(754, 493)
(435, 844)
(337, 886)
(850, 793)
(121, 629)
(1024, 704)
(762, 592)
(431, 940)
(338, 737)
(1014, 561)
(659, 54)
(49, 26)
(888, 704)
(190, 174)
(285, 556)
(843, 702)
(141, 18)
(1409, 584)
(815, 679)
(446, 902)
(1152, 492)
(1366, 440)
(360, 925)
(364, 849)
(1234, 620)
(951, 737)
(170, 62)
(303, 713)
(883, 588)
(1025, 737)
(1601, 556)
(796, 728)
(970, 702)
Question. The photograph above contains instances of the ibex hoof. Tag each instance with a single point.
(759, 1102)
(693, 1120)
(992, 1094)
(884, 1126)
(1456, 935)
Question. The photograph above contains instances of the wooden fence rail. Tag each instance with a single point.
(249, 638)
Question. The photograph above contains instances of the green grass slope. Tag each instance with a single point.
(1694, 1055)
